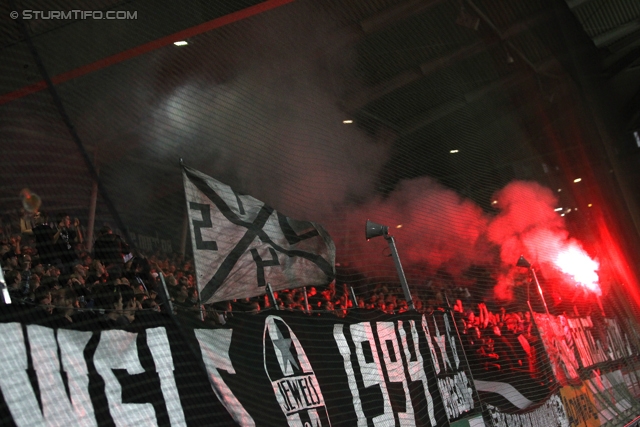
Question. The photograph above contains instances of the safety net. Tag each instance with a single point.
(314, 213)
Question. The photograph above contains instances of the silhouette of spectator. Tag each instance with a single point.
(44, 238)
(110, 249)
(64, 241)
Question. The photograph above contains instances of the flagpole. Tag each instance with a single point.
(353, 297)
(306, 300)
(403, 280)
(166, 292)
(273, 298)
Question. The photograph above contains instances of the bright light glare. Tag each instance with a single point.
(557, 209)
(495, 202)
(559, 190)
(347, 122)
(577, 180)
(181, 43)
(589, 205)
(576, 263)
(399, 226)
(453, 151)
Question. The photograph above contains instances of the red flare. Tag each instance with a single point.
(575, 262)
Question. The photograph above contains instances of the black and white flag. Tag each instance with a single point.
(240, 244)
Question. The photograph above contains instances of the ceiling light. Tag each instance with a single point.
(495, 202)
(559, 190)
(509, 58)
(453, 151)
(399, 226)
(557, 209)
(347, 122)
(577, 180)
(561, 214)
(589, 205)
(181, 43)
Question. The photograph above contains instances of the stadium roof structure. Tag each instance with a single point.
(472, 93)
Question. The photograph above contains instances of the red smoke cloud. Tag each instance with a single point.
(528, 225)
(435, 227)
(438, 228)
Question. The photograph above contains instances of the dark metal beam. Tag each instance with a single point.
(397, 13)
(359, 100)
(621, 64)
(575, 3)
(449, 107)
(619, 32)
(503, 37)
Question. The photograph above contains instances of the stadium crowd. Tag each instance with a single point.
(47, 265)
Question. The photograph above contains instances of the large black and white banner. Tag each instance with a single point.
(269, 369)
(240, 244)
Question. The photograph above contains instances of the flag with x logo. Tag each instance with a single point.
(240, 244)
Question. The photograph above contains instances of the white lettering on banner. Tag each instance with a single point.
(362, 334)
(416, 366)
(158, 343)
(456, 394)
(16, 387)
(343, 347)
(439, 339)
(297, 393)
(551, 414)
(395, 368)
(72, 345)
(214, 345)
(452, 343)
(294, 420)
(56, 407)
(118, 350)
(432, 350)
(14, 381)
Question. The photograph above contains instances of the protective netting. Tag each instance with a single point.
(471, 130)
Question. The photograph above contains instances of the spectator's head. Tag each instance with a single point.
(128, 301)
(42, 295)
(63, 220)
(25, 262)
(105, 230)
(65, 300)
(86, 261)
(13, 279)
(37, 267)
(80, 270)
(34, 282)
(40, 217)
(76, 281)
(108, 298)
(183, 281)
(53, 271)
(170, 280)
(150, 304)
(10, 260)
(97, 269)
(192, 294)
(254, 307)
